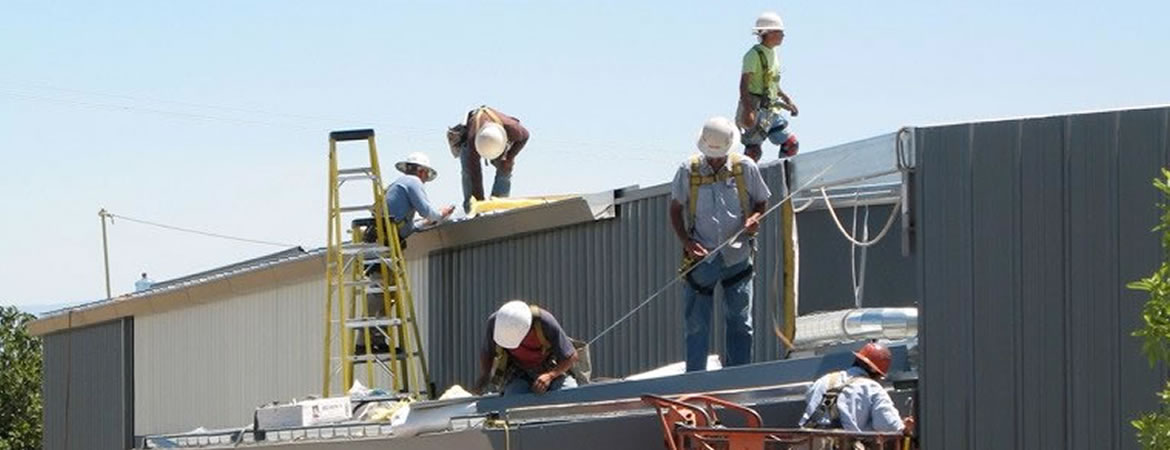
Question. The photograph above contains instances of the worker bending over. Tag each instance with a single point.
(760, 97)
(408, 195)
(491, 135)
(525, 350)
(853, 399)
(715, 195)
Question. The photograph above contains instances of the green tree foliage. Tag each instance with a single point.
(1153, 428)
(20, 382)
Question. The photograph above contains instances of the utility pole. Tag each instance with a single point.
(105, 247)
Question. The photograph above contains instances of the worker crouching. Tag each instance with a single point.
(853, 399)
(720, 193)
(526, 351)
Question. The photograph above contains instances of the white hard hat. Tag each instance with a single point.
(490, 140)
(513, 320)
(768, 21)
(717, 137)
(419, 159)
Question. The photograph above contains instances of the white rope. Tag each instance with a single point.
(885, 229)
(801, 208)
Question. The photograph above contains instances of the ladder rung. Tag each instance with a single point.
(363, 323)
(381, 357)
(365, 170)
(364, 249)
(366, 282)
(347, 209)
(341, 180)
(378, 290)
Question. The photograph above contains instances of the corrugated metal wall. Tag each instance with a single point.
(95, 363)
(589, 275)
(212, 363)
(1029, 230)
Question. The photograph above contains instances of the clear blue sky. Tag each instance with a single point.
(214, 114)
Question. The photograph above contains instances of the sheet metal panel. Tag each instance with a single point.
(1028, 231)
(94, 363)
(589, 275)
(211, 364)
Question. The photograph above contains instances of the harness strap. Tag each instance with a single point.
(699, 180)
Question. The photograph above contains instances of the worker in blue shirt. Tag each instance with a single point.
(853, 399)
(407, 195)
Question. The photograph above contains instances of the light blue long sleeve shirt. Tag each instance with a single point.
(862, 405)
(406, 196)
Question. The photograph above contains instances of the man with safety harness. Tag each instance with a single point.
(491, 135)
(526, 351)
(715, 195)
(760, 98)
(853, 399)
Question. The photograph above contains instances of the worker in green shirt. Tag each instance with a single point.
(760, 97)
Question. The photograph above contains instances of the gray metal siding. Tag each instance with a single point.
(1028, 231)
(95, 362)
(589, 275)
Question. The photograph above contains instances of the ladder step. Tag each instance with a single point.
(374, 290)
(366, 282)
(348, 209)
(341, 180)
(373, 322)
(355, 170)
(363, 249)
(381, 357)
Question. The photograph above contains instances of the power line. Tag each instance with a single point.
(202, 233)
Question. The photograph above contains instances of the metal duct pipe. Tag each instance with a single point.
(855, 325)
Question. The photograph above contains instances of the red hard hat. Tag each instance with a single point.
(875, 356)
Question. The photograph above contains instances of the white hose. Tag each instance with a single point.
(885, 229)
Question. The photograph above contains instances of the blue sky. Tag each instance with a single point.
(213, 115)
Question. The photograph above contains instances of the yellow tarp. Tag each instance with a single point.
(496, 204)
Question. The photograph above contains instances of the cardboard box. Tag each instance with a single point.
(304, 413)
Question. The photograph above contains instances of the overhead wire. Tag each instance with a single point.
(199, 232)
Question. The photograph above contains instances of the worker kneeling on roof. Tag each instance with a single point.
(407, 195)
(526, 350)
(853, 399)
(490, 135)
(714, 196)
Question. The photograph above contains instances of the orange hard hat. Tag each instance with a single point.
(876, 357)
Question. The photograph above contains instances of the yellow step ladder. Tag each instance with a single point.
(369, 310)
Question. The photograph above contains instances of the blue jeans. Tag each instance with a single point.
(473, 178)
(523, 385)
(738, 313)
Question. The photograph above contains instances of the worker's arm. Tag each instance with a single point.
(884, 416)
(561, 348)
(745, 99)
(787, 102)
(758, 194)
(422, 204)
(691, 246)
(517, 136)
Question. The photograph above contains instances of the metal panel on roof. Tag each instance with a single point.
(87, 391)
(591, 274)
(1028, 230)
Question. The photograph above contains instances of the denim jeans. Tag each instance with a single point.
(523, 385)
(738, 313)
(473, 178)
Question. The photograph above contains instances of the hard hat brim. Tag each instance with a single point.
(431, 172)
(869, 364)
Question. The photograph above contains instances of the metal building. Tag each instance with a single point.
(1015, 242)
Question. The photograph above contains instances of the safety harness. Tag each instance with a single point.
(769, 77)
(698, 180)
(502, 368)
(827, 416)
